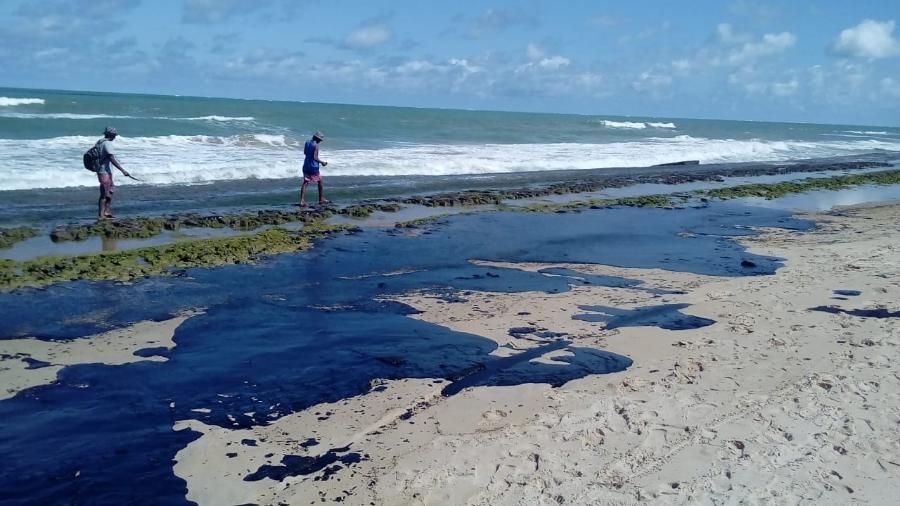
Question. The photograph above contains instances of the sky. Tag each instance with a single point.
(806, 61)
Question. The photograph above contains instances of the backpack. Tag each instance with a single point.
(93, 156)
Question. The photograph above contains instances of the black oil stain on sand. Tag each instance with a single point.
(665, 316)
(266, 347)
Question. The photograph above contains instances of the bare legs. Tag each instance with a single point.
(104, 208)
(303, 194)
(321, 193)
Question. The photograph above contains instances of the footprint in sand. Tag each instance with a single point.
(492, 420)
(493, 415)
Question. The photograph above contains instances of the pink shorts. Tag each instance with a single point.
(312, 178)
(106, 184)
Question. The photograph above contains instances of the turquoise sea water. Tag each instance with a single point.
(188, 140)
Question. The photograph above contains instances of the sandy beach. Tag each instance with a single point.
(790, 396)
(279, 253)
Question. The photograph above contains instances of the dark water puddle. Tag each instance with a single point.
(519, 369)
(665, 316)
(848, 293)
(534, 332)
(298, 465)
(298, 330)
(160, 351)
(309, 442)
(862, 313)
(34, 363)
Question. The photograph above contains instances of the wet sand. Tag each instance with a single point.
(775, 401)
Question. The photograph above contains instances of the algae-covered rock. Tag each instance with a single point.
(775, 190)
(10, 236)
(157, 260)
(643, 201)
(358, 210)
(142, 228)
(419, 222)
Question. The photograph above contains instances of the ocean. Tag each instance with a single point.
(168, 140)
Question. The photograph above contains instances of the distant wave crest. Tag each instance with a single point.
(867, 132)
(57, 115)
(635, 125)
(7, 101)
(76, 116)
(197, 159)
(217, 118)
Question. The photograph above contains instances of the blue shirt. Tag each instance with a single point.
(310, 164)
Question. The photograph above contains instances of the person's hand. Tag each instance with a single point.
(324, 164)
(125, 172)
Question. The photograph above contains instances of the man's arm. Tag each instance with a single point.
(112, 159)
(316, 157)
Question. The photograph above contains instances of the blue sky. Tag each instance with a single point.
(819, 61)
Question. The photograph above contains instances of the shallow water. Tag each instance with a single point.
(301, 329)
(825, 200)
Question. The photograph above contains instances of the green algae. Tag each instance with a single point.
(642, 201)
(774, 190)
(10, 236)
(159, 260)
(420, 222)
(145, 227)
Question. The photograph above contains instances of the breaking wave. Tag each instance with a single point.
(8, 102)
(174, 159)
(69, 115)
(58, 115)
(635, 125)
(216, 118)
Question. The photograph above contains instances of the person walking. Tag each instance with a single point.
(311, 164)
(104, 176)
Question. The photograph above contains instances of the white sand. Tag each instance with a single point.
(772, 404)
(112, 348)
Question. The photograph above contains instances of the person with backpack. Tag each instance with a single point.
(311, 163)
(97, 159)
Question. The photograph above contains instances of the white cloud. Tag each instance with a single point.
(786, 88)
(727, 34)
(539, 59)
(652, 81)
(869, 39)
(554, 62)
(369, 36)
(890, 87)
(464, 64)
(682, 65)
(770, 44)
(535, 52)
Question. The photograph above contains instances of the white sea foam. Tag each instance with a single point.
(69, 115)
(635, 125)
(57, 115)
(7, 101)
(867, 132)
(623, 124)
(201, 159)
(217, 118)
